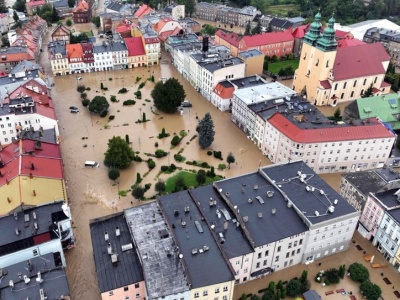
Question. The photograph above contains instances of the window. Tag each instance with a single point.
(126, 288)
(276, 258)
(224, 298)
(35, 252)
(225, 289)
(279, 249)
(217, 289)
(238, 262)
(111, 293)
(137, 295)
(196, 295)
(345, 84)
(355, 83)
(259, 255)
(258, 265)
(205, 293)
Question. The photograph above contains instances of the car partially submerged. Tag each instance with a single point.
(186, 103)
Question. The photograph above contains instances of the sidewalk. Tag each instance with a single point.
(334, 261)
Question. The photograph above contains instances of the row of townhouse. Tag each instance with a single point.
(375, 193)
(286, 127)
(35, 218)
(167, 248)
(143, 49)
(225, 14)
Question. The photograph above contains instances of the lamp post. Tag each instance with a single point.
(119, 196)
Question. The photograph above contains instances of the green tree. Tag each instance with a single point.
(230, 159)
(342, 271)
(81, 88)
(305, 284)
(15, 16)
(54, 15)
(96, 21)
(243, 297)
(257, 29)
(19, 5)
(358, 272)
(261, 5)
(190, 7)
(118, 155)
(113, 173)
(247, 31)
(293, 288)
(337, 114)
(138, 192)
(168, 96)
(98, 104)
(71, 3)
(370, 291)
(180, 183)
(4, 41)
(369, 92)
(160, 186)
(332, 275)
(205, 128)
(68, 22)
(201, 177)
(209, 29)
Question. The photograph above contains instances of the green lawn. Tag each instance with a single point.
(275, 67)
(190, 180)
(282, 10)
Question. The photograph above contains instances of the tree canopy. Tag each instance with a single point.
(209, 29)
(293, 287)
(370, 291)
(98, 104)
(19, 5)
(168, 96)
(96, 21)
(205, 128)
(358, 272)
(71, 3)
(119, 155)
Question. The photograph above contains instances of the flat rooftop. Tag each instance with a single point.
(261, 92)
(371, 180)
(395, 213)
(196, 242)
(388, 199)
(24, 222)
(219, 215)
(260, 208)
(312, 196)
(163, 271)
(54, 284)
(112, 231)
(217, 65)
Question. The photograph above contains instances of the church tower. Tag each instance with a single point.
(316, 62)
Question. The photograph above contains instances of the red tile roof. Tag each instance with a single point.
(385, 84)
(151, 40)
(164, 35)
(268, 38)
(36, 3)
(325, 84)
(135, 46)
(299, 32)
(349, 42)
(81, 7)
(231, 38)
(46, 149)
(74, 51)
(223, 92)
(332, 134)
(143, 10)
(123, 28)
(341, 33)
(46, 111)
(359, 61)
(33, 89)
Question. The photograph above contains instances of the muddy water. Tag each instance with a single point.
(85, 136)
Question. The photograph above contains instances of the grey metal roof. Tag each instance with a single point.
(115, 6)
(26, 66)
(13, 50)
(371, 180)
(127, 270)
(54, 282)
(118, 46)
(249, 81)
(195, 241)
(312, 196)
(261, 224)
(162, 269)
(250, 53)
(101, 48)
(60, 4)
(46, 135)
(217, 65)
(57, 47)
(218, 214)
(5, 110)
(10, 83)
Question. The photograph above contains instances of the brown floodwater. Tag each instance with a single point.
(84, 137)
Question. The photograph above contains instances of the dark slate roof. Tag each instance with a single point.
(115, 6)
(195, 240)
(352, 111)
(388, 199)
(248, 81)
(127, 270)
(281, 23)
(25, 66)
(242, 192)
(220, 215)
(54, 281)
(61, 4)
(217, 65)
(226, 83)
(12, 79)
(46, 135)
(371, 180)
(41, 215)
(297, 180)
(395, 214)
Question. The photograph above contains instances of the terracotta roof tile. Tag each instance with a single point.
(135, 46)
(268, 38)
(231, 38)
(223, 92)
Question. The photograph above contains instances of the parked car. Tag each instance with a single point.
(73, 107)
(186, 103)
(78, 78)
(74, 111)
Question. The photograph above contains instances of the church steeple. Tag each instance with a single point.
(315, 30)
(328, 42)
